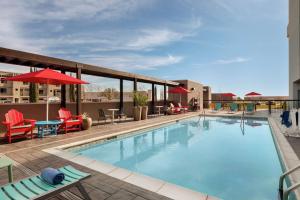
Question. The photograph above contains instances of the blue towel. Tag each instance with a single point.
(285, 119)
(52, 176)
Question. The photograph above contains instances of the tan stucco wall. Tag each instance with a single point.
(186, 98)
(293, 32)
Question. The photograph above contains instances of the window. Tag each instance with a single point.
(3, 90)
(25, 83)
(2, 80)
(17, 89)
(41, 92)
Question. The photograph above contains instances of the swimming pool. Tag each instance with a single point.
(213, 155)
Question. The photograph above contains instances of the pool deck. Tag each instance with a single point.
(30, 157)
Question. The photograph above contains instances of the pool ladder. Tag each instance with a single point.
(284, 194)
(242, 124)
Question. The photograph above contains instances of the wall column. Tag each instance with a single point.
(63, 93)
(121, 96)
(165, 98)
(78, 90)
(134, 89)
(153, 99)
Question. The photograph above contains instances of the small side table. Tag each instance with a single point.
(112, 110)
(47, 127)
(159, 107)
(6, 162)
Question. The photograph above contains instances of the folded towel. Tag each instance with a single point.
(52, 176)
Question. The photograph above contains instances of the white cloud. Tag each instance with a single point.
(132, 62)
(152, 38)
(230, 61)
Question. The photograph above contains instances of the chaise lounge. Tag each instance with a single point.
(36, 188)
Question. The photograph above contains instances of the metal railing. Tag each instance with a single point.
(270, 105)
(284, 194)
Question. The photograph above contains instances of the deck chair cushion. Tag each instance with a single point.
(36, 188)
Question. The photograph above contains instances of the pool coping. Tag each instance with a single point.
(152, 184)
(289, 158)
(158, 186)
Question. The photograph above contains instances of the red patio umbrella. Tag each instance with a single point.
(46, 76)
(252, 94)
(228, 94)
(178, 90)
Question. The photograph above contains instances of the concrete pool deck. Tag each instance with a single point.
(112, 182)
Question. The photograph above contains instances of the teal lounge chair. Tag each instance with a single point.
(218, 106)
(233, 107)
(250, 108)
(35, 188)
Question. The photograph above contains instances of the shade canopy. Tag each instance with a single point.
(228, 94)
(46, 76)
(178, 90)
(252, 94)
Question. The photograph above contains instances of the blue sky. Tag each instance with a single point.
(232, 45)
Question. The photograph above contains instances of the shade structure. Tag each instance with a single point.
(178, 90)
(46, 76)
(252, 94)
(228, 94)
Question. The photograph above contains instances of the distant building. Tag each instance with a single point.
(222, 97)
(267, 98)
(18, 92)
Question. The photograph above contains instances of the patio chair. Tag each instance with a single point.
(233, 108)
(103, 116)
(173, 109)
(216, 107)
(17, 126)
(184, 108)
(285, 119)
(36, 188)
(120, 114)
(250, 108)
(69, 122)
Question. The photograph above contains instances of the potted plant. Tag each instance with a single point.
(144, 105)
(86, 121)
(141, 109)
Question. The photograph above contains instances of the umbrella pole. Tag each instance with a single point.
(180, 98)
(47, 104)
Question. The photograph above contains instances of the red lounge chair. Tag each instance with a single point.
(70, 122)
(184, 108)
(16, 124)
(174, 109)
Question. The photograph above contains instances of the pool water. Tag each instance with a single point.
(212, 155)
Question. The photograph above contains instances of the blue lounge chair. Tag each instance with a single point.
(218, 106)
(36, 188)
(233, 107)
(285, 119)
(250, 108)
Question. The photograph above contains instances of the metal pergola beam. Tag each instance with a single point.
(16, 57)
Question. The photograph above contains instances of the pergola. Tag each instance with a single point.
(11, 56)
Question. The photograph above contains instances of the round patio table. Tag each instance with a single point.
(113, 114)
(49, 127)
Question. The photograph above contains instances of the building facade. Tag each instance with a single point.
(18, 92)
(293, 34)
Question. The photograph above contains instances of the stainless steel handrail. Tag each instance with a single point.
(284, 194)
